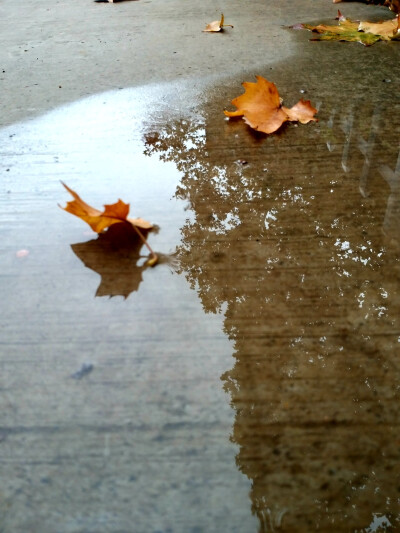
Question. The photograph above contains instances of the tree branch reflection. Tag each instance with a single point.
(283, 241)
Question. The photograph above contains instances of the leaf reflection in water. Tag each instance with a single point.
(115, 256)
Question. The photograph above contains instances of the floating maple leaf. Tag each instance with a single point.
(113, 214)
(217, 25)
(261, 107)
(366, 33)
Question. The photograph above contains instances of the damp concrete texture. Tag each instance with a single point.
(250, 381)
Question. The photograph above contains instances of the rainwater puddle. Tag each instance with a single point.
(113, 412)
(290, 243)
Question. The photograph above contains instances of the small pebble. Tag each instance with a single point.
(85, 369)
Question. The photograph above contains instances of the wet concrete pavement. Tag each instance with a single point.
(250, 381)
(57, 51)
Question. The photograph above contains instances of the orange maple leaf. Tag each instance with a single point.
(100, 220)
(113, 214)
(262, 109)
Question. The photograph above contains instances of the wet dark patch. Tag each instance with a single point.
(300, 248)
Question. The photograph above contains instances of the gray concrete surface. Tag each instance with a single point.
(249, 382)
(58, 51)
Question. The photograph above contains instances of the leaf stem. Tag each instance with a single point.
(154, 258)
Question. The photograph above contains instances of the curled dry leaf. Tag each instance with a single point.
(366, 33)
(261, 107)
(217, 25)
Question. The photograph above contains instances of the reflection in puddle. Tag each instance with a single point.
(292, 238)
(114, 256)
(300, 249)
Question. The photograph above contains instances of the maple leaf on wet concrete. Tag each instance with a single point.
(261, 108)
(349, 30)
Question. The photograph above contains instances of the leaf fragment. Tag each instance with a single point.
(217, 25)
(302, 112)
(261, 108)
